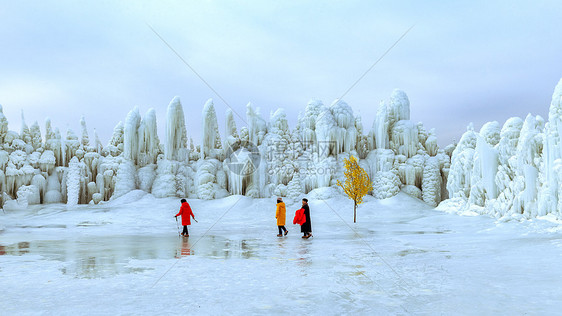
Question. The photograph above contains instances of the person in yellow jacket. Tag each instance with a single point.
(280, 215)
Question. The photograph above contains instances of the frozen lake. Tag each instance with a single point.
(402, 257)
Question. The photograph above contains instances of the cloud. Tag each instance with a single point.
(30, 95)
(99, 59)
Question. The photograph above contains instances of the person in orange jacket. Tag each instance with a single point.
(280, 215)
(186, 215)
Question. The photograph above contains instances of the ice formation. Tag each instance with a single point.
(211, 145)
(515, 172)
(509, 170)
(176, 133)
(262, 159)
(149, 144)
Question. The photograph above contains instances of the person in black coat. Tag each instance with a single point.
(306, 228)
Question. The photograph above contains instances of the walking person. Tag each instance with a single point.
(280, 215)
(306, 228)
(186, 215)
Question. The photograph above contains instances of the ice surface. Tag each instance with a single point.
(401, 258)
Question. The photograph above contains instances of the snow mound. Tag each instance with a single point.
(323, 193)
(385, 185)
(128, 198)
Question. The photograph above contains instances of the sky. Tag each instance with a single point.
(462, 62)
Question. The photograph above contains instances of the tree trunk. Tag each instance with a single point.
(354, 211)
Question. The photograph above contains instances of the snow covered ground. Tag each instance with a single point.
(402, 257)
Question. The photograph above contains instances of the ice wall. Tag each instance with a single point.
(550, 192)
(211, 144)
(306, 126)
(231, 130)
(516, 171)
(257, 126)
(149, 144)
(176, 133)
(131, 136)
(267, 157)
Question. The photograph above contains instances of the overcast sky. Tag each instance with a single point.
(464, 61)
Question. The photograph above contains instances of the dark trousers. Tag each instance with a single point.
(281, 229)
(185, 230)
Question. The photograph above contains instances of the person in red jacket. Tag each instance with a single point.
(186, 215)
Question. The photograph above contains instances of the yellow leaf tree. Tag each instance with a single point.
(357, 183)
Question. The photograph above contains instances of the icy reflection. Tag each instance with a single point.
(222, 248)
(304, 256)
(185, 249)
(109, 255)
